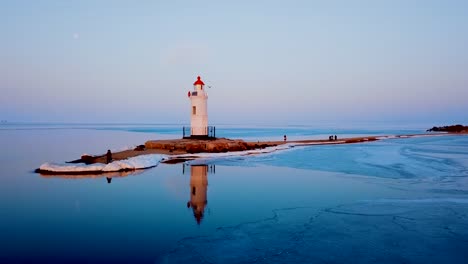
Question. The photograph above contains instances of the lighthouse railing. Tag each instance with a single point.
(209, 132)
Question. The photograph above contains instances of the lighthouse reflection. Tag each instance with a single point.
(198, 189)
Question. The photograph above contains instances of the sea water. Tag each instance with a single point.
(390, 201)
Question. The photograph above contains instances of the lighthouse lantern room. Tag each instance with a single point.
(199, 112)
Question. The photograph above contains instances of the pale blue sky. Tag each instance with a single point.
(269, 62)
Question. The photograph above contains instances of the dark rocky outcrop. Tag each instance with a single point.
(87, 159)
(208, 146)
(139, 148)
(451, 129)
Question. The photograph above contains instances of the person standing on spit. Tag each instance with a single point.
(284, 138)
(109, 156)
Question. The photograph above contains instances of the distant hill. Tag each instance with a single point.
(453, 129)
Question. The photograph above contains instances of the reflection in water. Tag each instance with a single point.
(198, 189)
(108, 175)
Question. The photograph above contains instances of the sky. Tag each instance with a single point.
(267, 62)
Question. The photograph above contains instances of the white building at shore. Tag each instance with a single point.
(199, 110)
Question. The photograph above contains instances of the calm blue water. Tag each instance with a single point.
(391, 201)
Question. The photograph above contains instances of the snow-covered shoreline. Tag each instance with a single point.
(133, 163)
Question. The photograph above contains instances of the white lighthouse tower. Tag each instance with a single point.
(199, 110)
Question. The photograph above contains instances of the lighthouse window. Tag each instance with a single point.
(194, 110)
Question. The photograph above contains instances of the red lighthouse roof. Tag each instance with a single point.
(199, 81)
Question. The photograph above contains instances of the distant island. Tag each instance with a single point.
(451, 129)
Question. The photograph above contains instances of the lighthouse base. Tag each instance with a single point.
(209, 133)
(203, 137)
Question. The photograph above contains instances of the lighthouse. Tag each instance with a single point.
(199, 112)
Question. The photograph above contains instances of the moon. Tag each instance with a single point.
(76, 35)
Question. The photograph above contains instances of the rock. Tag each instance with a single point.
(87, 159)
(194, 148)
(211, 147)
(451, 129)
(139, 148)
(197, 146)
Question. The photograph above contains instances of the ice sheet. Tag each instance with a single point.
(366, 232)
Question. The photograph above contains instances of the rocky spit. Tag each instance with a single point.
(174, 148)
(207, 146)
(180, 150)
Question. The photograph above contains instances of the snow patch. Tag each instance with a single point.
(134, 163)
(319, 143)
(204, 156)
(56, 167)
